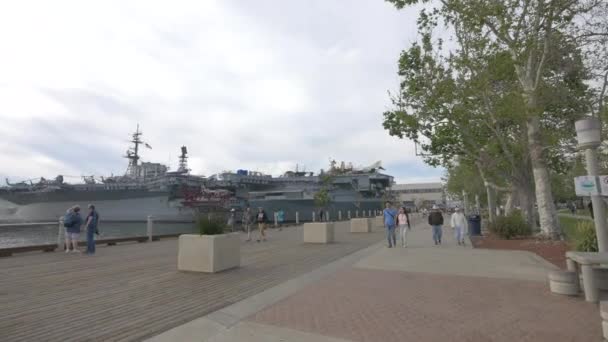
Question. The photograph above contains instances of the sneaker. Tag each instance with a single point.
(67, 251)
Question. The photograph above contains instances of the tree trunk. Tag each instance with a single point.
(526, 198)
(491, 206)
(549, 224)
(509, 203)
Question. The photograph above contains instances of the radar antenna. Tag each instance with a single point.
(133, 153)
(183, 161)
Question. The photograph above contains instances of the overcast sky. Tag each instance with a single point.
(261, 85)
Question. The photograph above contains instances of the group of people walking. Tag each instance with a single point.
(260, 218)
(394, 221)
(74, 224)
(399, 221)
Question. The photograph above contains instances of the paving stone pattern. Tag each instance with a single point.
(377, 305)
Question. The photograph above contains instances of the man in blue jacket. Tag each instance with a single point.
(390, 215)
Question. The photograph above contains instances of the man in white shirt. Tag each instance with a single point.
(459, 224)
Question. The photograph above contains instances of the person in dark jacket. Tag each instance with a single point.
(261, 219)
(436, 221)
(72, 222)
(591, 209)
(90, 227)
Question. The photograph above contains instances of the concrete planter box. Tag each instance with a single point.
(378, 221)
(208, 253)
(360, 225)
(319, 232)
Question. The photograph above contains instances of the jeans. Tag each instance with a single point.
(90, 240)
(437, 233)
(390, 236)
(403, 234)
(459, 233)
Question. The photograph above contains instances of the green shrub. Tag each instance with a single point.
(511, 226)
(585, 239)
(210, 225)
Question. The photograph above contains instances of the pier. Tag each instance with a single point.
(133, 291)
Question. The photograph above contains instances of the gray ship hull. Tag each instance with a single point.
(129, 209)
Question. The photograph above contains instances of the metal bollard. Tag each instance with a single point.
(339, 215)
(349, 215)
(61, 235)
(276, 215)
(327, 216)
(370, 213)
(357, 213)
(297, 218)
(150, 227)
(313, 216)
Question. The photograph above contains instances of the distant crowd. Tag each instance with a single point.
(396, 222)
(399, 221)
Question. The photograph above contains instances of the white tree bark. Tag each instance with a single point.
(509, 203)
(549, 223)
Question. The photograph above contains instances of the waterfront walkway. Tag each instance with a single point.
(134, 291)
(421, 293)
(354, 290)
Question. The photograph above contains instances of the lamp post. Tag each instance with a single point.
(588, 134)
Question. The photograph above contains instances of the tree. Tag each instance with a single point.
(463, 104)
(322, 198)
(528, 30)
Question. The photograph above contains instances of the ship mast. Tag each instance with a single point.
(133, 153)
(183, 161)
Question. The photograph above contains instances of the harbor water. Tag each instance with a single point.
(17, 235)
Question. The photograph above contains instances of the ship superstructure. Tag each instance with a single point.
(145, 189)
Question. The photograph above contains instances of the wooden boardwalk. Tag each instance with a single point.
(132, 292)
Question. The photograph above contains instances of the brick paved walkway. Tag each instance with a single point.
(375, 305)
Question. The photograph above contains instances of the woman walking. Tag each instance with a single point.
(262, 219)
(403, 222)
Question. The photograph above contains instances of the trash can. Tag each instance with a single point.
(475, 225)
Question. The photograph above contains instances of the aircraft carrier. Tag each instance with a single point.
(177, 196)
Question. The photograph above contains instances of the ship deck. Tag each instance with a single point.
(131, 292)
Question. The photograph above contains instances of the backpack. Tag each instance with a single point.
(68, 220)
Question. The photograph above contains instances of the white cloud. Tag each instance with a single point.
(259, 85)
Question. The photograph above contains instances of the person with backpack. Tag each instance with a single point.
(247, 222)
(72, 222)
(436, 221)
(91, 228)
(403, 222)
(262, 219)
(390, 216)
